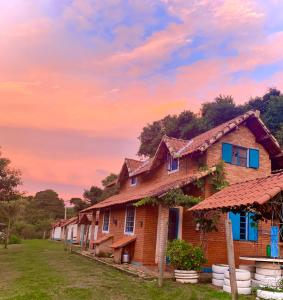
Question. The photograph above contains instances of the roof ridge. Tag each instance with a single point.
(178, 139)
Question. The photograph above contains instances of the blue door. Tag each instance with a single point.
(173, 225)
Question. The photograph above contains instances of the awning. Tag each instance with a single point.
(153, 190)
(252, 192)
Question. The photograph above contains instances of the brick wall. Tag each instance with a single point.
(215, 242)
(147, 217)
(145, 230)
(245, 138)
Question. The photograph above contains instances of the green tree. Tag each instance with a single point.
(273, 116)
(93, 194)
(222, 109)
(79, 204)
(10, 179)
(109, 179)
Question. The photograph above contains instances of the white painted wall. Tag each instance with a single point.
(57, 233)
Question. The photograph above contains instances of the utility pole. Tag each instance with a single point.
(231, 258)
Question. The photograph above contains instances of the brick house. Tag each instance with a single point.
(247, 149)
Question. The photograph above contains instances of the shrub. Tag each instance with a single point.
(185, 256)
(14, 239)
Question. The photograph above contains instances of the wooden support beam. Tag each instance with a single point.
(231, 258)
(163, 236)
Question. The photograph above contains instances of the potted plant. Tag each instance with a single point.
(269, 292)
(186, 259)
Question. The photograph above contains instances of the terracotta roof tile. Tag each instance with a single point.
(124, 241)
(103, 239)
(256, 191)
(132, 164)
(155, 189)
(72, 220)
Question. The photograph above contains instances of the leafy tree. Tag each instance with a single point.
(93, 194)
(187, 125)
(152, 134)
(10, 179)
(79, 204)
(108, 179)
(222, 109)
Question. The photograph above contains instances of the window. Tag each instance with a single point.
(130, 220)
(172, 163)
(106, 221)
(240, 156)
(134, 180)
(243, 226)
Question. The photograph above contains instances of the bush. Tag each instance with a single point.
(185, 256)
(14, 239)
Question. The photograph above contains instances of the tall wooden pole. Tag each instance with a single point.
(231, 258)
(163, 232)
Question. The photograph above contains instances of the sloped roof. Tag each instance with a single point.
(155, 189)
(247, 193)
(203, 141)
(73, 220)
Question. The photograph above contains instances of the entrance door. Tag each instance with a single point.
(173, 224)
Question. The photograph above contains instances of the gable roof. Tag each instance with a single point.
(247, 193)
(155, 189)
(73, 220)
(200, 143)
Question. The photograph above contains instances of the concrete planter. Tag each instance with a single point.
(261, 294)
(186, 276)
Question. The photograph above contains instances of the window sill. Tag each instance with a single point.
(173, 171)
(128, 233)
(103, 231)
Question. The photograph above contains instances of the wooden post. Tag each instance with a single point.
(71, 242)
(66, 238)
(163, 232)
(231, 258)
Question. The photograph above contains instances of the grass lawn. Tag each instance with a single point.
(43, 270)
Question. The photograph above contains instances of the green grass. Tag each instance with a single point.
(43, 270)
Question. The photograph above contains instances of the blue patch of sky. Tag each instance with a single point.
(162, 20)
(104, 28)
(260, 73)
(200, 48)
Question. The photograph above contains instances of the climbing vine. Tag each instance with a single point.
(174, 197)
(218, 180)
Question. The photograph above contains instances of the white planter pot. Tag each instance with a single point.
(268, 272)
(266, 265)
(267, 280)
(219, 268)
(250, 268)
(219, 276)
(269, 295)
(241, 291)
(186, 276)
(240, 283)
(240, 275)
(217, 282)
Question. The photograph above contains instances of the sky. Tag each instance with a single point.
(80, 78)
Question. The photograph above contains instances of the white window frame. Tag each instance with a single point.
(133, 184)
(130, 233)
(106, 231)
(169, 164)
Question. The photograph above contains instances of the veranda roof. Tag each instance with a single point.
(247, 193)
(152, 190)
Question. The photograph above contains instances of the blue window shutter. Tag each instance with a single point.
(274, 241)
(235, 219)
(253, 158)
(227, 152)
(253, 231)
